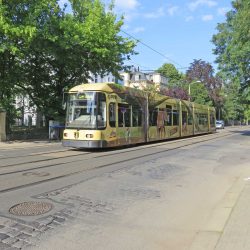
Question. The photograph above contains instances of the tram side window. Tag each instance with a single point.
(197, 118)
(190, 119)
(184, 117)
(124, 115)
(202, 119)
(212, 120)
(175, 117)
(205, 119)
(153, 117)
(168, 120)
(101, 111)
(136, 116)
(112, 114)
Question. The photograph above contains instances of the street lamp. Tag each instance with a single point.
(189, 89)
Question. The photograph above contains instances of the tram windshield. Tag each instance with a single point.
(86, 110)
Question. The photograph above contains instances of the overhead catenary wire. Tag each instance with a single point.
(150, 47)
(156, 51)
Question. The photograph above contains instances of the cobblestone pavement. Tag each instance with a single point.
(86, 204)
(19, 234)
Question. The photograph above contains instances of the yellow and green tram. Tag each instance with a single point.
(104, 115)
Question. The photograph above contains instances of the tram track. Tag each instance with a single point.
(33, 154)
(94, 154)
(173, 145)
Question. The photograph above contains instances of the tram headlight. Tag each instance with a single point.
(89, 136)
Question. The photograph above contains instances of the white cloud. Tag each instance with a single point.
(207, 18)
(223, 11)
(189, 18)
(158, 13)
(195, 4)
(172, 10)
(126, 4)
(138, 29)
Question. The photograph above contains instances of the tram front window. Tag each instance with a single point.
(86, 110)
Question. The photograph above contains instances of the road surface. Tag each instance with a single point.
(171, 195)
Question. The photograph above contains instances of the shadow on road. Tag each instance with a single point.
(246, 133)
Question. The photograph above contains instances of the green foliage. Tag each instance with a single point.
(232, 105)
(247, 114)
(169, 71)
(202, 73)
(199, 94)
(44, 49)
(232, 45)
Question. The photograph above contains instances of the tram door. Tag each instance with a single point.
(112, 124)
(124, 123)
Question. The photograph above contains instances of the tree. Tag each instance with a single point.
(199, 94)
(169, 71)
(175, 92)
(232, 106)
(232, 45)
(202, 73)
(44, 49)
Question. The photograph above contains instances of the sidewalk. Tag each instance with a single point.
(229, 227)
(236, 234)
(26, 143)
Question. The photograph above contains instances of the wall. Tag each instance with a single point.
(2, 125)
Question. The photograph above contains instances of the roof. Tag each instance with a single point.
(92, 87)
(117, 88)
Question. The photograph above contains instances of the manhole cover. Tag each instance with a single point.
(31, 208)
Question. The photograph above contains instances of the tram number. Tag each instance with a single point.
(37, 174)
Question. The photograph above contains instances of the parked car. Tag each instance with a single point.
(220, 124)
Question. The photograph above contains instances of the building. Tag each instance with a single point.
(142, 80)
(133, 79)
(27, 113)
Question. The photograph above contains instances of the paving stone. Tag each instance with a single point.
(5, 230)
(59, 219)
(28, 230)
(46, 220)
(42, 228)
(13, 232)
(13, 248)
(20, 244)
(53, 224)
(35, 233)
(67, 216)
(23, 236)
(3, 236)
(5, 222)
(4, 246)
(18, 226)
(10, 240)
(35, 224)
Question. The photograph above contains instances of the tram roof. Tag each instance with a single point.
(92, 87)
(106, 87)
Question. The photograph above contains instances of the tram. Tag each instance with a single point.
(103, 115)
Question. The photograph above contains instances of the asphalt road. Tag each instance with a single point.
(171, 195)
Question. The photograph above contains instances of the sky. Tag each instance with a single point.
(171, 31)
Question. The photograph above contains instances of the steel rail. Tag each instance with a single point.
(100, 166)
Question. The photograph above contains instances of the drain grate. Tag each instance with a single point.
(30, 208)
